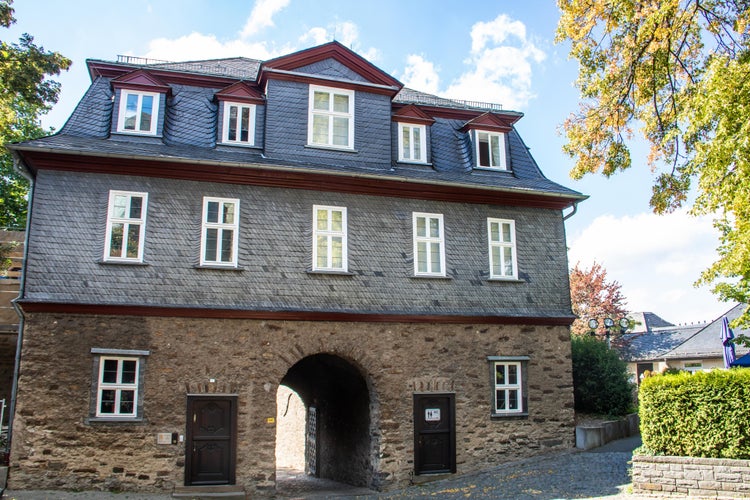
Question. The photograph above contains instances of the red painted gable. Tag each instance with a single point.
(241, 92)
(140, 80)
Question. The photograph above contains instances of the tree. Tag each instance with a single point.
(601, 383)
(25, 94)
(594, 297)
(678, 70)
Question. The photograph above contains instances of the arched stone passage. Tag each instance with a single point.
(340, 397)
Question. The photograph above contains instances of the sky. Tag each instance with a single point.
(498, 51)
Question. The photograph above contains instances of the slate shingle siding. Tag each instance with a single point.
(159, 122)
(191, 117)
(332, 68)
(68, 228)
(260, 120)
(93, 115)
(286, 128)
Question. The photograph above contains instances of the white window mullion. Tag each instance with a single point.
(501, 237)
(429, 244)
(329, 225)
(122, 213)
(220, 217)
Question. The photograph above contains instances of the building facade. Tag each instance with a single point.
(203, 233)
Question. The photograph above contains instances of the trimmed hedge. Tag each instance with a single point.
(600, 378)
(700, 415)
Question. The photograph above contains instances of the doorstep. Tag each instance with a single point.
(231, 492)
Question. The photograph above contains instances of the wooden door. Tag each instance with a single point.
(434, 433)
(210, 447)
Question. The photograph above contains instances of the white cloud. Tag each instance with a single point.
(262, 16)
(656, 259)
(421, 74)
(197, 46)
(500, 64)
(345, 32)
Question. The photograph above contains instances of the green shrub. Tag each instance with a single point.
(600, 378)
(700, 415)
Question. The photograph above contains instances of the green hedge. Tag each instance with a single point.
(701, 415)
(600, 378)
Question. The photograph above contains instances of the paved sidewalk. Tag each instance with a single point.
(598, 473)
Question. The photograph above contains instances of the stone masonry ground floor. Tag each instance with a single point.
(147, 403)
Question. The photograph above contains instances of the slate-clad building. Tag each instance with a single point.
(202, 233)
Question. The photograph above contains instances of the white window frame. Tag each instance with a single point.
(406, 153)
(124, 93)
(502, 247)
(428, 241)
(508, 387)
(119, 387)
(226, 122)
(502, 163)
(329, 234)
(331, 114)
(220, 228)
(127, 222)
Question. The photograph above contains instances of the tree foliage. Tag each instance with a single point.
(25, 94)
(594, 297)
(678, 70)
(601, 382)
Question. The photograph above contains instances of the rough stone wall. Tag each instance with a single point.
(54, 446)
(693, 477)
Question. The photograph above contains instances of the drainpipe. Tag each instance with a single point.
(22, 285)
(571, 214)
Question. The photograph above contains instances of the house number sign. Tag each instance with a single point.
(432, 415)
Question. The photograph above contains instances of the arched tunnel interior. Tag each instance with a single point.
(337, 403)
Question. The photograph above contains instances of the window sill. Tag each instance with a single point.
(418, 163)
(494, 169)
(331, 148)
(115, 420)
(122, 263)
(505, 280)
(129, 133)
(219, 267)
(430, 277)
(330, 272)
(506, 416)
(238, 145)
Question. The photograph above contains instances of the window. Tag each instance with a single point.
(239, 124)
(126, 225)
(490, 150)
(331, 117)
(501, 235)
(509, 385)
(118, 381)
(329, 238)
(429, 252)
(412, 143)
(693, 366)
(138, 112)
(220, 226)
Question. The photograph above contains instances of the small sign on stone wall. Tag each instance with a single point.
(163, 438)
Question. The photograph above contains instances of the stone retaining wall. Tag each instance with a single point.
(694, 477)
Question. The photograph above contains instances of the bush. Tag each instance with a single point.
(600, 378)
(700, 415)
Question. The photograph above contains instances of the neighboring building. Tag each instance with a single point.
(12, 242)
(690, 348)
(205, 232)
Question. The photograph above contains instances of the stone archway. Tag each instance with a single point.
(339, 444)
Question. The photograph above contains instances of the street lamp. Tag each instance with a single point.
(608, 324)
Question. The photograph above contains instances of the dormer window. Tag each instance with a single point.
(331, 118)
(239, 124)
(490, 150)
(412, 143)
(138, 112)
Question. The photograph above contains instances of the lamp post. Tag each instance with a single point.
(608, 324)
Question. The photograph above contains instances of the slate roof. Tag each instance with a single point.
(647, 321)
(681, 342)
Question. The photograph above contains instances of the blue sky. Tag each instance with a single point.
(494, 51)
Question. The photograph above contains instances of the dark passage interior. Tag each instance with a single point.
(337, 403)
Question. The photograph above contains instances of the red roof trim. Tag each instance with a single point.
(240, 92)
(332, 50)
(291, 179)
(114, 70)
(140, 80)
(322, 80)
(412, 114)
(490, 121)
(188, 312)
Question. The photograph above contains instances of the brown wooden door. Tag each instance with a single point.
(210, 448)
(434, 433)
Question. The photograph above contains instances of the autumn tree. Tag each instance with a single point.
(25, 94)
(595, 297)
(678, 71)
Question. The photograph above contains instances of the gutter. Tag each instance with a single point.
(571, 214)
(573, 196)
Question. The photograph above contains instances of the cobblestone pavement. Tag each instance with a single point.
(598, 473)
